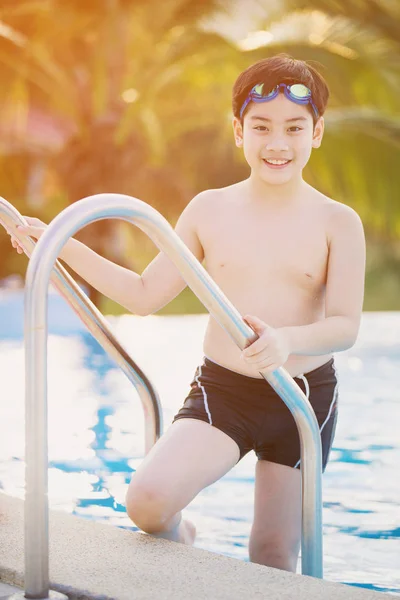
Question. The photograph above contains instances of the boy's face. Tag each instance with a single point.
(278, 129)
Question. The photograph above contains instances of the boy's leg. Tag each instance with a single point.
(276, 533)
(191, 455)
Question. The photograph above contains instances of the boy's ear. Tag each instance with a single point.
(237, 132)
(318, 132)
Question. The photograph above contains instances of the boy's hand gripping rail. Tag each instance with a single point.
(65, 225)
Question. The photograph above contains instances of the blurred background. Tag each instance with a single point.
(129, 96)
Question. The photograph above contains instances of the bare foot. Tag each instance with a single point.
(187, 532)
(184, 533)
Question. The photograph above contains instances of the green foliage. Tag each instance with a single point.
(382, 288)
(134, 97)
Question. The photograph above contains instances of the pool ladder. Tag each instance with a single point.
(43, 267)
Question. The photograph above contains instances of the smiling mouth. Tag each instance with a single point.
(276, 163)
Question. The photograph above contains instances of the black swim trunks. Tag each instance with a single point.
(250, 411)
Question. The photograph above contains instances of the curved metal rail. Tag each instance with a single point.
(98, 327)
(65, 225)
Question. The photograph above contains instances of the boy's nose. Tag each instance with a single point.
(276, 144)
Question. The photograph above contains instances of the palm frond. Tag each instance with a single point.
(364, 120)
(379, 16)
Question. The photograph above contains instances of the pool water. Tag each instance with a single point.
(96, 436)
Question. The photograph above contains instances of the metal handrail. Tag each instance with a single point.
(65, 225)
(98, 327)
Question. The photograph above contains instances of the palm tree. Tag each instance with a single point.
(132, 103)
(122, 90)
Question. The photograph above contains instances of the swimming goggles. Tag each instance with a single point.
(297, 92)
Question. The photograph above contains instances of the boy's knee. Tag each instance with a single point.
(146, 507)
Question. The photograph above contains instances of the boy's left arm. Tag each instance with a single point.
(343, 304)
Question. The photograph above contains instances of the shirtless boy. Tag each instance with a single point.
(292, 261)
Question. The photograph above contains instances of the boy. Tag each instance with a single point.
(292, 261)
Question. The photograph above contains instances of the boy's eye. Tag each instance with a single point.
(293, 129)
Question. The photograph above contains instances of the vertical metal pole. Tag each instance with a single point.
(36, 501)
(311, 472)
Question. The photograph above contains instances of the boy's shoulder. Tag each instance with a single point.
(340, 219)
(216, 194)
(334, 209)
(211, 200)
(218, 198)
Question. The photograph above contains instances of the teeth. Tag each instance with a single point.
(277, 162)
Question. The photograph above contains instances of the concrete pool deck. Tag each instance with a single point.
(7, 590)
(93, 561)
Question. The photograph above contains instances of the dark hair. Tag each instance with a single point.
(281, 68)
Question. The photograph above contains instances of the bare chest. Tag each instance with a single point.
(289, 252)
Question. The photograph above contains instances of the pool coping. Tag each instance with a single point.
(94, 561)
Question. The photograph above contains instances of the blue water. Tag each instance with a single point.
(96, 436)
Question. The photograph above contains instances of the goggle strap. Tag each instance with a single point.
(256, 96)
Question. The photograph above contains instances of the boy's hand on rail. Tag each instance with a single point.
(270, 351)
(34, 229)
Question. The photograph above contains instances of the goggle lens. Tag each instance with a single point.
(299, 90)
(258, 90)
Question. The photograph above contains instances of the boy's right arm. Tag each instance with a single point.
(142, 294)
